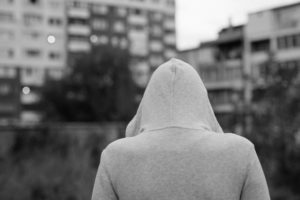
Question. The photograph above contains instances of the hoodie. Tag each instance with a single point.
(175, 148)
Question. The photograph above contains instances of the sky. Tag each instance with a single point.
(200, 20)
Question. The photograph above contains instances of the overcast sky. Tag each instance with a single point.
(200, 20)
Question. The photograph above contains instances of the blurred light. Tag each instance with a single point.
(26, 90)
(51, 39)
(94, 39)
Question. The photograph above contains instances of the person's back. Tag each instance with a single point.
(176, 150)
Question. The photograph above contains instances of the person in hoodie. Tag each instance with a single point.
(175, 149)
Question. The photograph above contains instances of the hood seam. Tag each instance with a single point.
(172, 90)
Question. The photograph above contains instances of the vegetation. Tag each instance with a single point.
(276, 131)
(97, 88)
(51, 162)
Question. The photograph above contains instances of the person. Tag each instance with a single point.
(175, 148)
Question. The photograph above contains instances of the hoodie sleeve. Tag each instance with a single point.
(255, 185)
(103, 188)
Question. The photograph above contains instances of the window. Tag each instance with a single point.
(94, 39)
(156, 60)
(5, 89)
(157, 16)
(119, 27)
(78, 38)
(6, 52)
(54, 56)
(6, 2)
(77, 21)
(137, 11)
(99, 24)
(138, 27)
(55, 21)
(32, 35)
(103, 39)
(8, 72)
(288, 42)
(55, 4)
(6, 34)
(260, 45)
(122, 12)
(32, 19)
(115, 41)
(123, 43)
(6, 17)
(170, 53)
(156, 46)
(170, 2)
(156, 30)
(55, 73)
(34, 1)
(100, 9)
(78, 4)
(32, 53)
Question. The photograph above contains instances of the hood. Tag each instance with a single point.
(175, 97)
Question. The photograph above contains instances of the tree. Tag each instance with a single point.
(97, 88)
(276, 119)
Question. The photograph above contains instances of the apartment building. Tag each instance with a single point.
(244, 56)
(271, 35)
(32, 38)
(146, 28)
(41, 38)
(219, 64)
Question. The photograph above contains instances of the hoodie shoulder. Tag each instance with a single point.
(122, 146)
(238, 139)
(229, 142)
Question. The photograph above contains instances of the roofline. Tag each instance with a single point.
(234, 26)
(200, 46)
(275, 8)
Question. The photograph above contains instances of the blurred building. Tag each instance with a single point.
(40, 39)
(146, 28)
(32, 37)
(219, 64)
(272, 42)
(242, 57)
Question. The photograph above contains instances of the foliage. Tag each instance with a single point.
(276, 126)
(42, 163)
(97, 88)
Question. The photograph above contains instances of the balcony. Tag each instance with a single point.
(30, 116)
(30, 98)
(169, 24)
(226, 84)
(223, 108)
(79, 46)
(259, 57)
(137, 19)
(79, 13)
(170, 39)
(77, 29)
(233, 63)
(288, 54)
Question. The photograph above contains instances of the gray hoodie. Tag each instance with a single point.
(175, 148)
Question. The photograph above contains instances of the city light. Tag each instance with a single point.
(94, 39)
(26, 90)
(51, 39)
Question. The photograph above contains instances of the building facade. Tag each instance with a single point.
(146, 28)
(241, 59)
(219, 64)
(271, 36)
(41, 38)
(32, 47)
